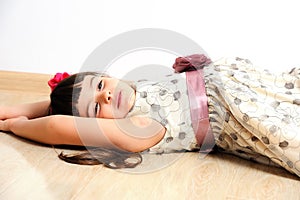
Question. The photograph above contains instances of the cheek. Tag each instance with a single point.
(108, 112)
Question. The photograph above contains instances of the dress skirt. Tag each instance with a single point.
(253, 113)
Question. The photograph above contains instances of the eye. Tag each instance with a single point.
(96, 108)
(100, 85)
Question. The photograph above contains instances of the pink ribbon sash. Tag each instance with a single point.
(199, 110)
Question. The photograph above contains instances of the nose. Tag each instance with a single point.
(104, 96)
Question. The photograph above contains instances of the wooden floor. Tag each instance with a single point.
(32, 171)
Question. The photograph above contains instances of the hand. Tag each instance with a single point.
(6, 125)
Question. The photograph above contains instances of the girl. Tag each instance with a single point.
(228, 104)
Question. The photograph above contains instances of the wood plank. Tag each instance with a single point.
(24, 82)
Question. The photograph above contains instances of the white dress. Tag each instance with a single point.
(253, 114)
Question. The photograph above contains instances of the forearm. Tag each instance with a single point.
(30, 110)
(54, 129)
(58, 129)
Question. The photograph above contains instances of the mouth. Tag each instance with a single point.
(119, 98)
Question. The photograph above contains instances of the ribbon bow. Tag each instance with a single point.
(191, 63)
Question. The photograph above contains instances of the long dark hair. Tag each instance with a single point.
(111, 158)
(63, 101)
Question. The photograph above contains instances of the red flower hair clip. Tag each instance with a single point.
(56, 79)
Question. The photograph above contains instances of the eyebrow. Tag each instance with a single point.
(92, 80)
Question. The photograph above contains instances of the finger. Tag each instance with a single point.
(3, 125)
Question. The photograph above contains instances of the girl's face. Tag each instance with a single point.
(105, 97)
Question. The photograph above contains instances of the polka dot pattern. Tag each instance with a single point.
(167, 102)
(255, 114)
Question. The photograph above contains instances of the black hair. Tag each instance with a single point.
(65, 95)
(110, 158)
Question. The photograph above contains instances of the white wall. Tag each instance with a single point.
(58, 35)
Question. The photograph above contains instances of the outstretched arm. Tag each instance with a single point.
(30, 110)
(132, 134)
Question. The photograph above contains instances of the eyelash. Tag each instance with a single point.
(99, 87)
